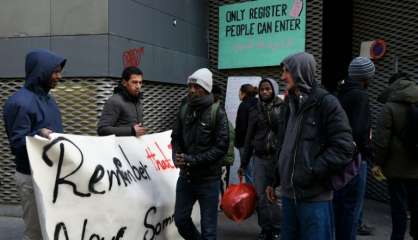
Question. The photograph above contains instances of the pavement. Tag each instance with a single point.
(376, 214)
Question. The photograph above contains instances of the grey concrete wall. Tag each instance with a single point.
(94, 34)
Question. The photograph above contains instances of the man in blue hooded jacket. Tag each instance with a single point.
(28, 112)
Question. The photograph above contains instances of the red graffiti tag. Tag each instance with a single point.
(132, 57)
(160, 162)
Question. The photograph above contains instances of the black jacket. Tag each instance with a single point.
(355, 101)
(263, 131)
(203, 145)
(318, 142)
(323, 146)
(120, 113)
(241, 123)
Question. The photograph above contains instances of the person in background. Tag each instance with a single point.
(247, 96)
(123, 112)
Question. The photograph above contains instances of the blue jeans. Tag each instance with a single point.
(207, 194)
(346, 204)
(362, 190)
(403, 197)
(307, 220)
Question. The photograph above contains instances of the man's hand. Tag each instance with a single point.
(139, 130)
(241, 172)
(271, 196)
(180, 162)
(45, 132)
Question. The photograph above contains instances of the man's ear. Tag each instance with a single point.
(124, 83)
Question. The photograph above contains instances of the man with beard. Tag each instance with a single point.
(123, 112)
(262, 136)
(317, 145)
(200, 142)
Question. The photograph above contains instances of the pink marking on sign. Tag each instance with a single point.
(297, 8)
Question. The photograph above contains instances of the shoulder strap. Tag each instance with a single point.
(214, 114)
(183, 110)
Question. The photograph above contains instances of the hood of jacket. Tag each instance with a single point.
(302, 67)
(39, 66)
(273, 85)
(120, 89)
(400, 91)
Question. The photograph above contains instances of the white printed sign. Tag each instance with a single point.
(110, 187)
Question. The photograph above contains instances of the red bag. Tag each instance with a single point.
(238, 201)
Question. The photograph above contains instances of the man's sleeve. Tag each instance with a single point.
(108, 120)
(220, 146)
(176, 137)
(339, 146)
(382, 135)
(248, 146)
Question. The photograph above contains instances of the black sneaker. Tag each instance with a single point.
(364, 230)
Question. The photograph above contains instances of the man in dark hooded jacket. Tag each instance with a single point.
(262, 135)
(28, 112)
(200, 141)
(123, 112)
(317, 144)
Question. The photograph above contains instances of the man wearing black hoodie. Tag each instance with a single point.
(123, 112)
(261, 138)
(317, 145)
(33, 111)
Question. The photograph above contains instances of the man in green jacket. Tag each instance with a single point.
(400, 169)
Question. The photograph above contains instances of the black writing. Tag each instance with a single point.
(235, 16)
(287, 25)
(61, 227)
(155, 229)
(268, 11)
(133, 174)
(239, 30)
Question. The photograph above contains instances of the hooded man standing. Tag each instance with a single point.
(262, 134)
(317, 144)
(123, 112)
(200, 141)
(28, 112)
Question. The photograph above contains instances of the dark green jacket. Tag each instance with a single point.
(390, 151)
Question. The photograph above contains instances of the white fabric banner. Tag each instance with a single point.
(109, 188)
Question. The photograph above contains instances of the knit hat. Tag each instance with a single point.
(203, 78)
(361, 68)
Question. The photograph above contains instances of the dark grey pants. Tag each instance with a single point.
(268, 213)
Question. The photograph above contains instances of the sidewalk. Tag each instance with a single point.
(376, 214)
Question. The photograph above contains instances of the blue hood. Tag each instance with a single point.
(39, 66)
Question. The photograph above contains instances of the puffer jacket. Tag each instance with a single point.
(120, 113)
(263, 128)
(318, 142)
(390, 152)
(204, 146)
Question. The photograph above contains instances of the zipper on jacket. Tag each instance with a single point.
(136, 110)
(296, 150)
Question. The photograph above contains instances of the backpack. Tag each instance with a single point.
(229, 157)
(350, 170)
(409, 133)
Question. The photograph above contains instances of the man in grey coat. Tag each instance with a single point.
(123, 112)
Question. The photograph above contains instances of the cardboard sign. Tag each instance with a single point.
(105, 187)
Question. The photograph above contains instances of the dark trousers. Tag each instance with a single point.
(403, 197)
(346, 205)
(268, 213)
(207, 194)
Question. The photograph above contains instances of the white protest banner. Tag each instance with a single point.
(105, 188)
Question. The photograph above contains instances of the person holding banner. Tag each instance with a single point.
(200, 141)
(264, 129)
(123, 112)
(28, 112)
